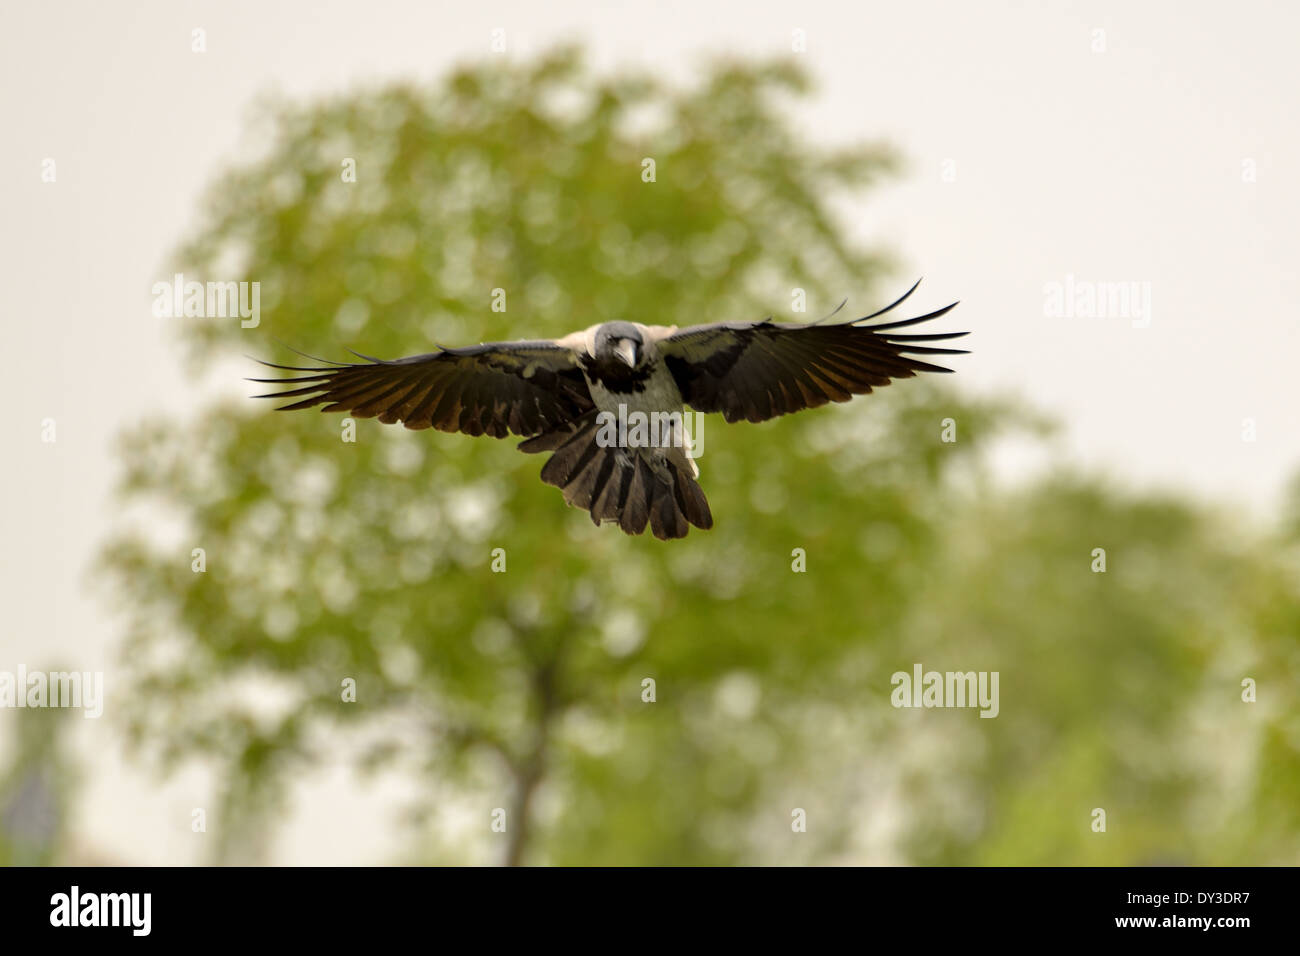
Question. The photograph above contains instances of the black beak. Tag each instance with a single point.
(626, 350)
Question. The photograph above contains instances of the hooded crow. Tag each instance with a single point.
(564, 395)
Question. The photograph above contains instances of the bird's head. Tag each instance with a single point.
(619, 341)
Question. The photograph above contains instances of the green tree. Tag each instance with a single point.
(37, 788)
(372, 561)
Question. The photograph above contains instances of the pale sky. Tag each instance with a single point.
(1167, 158)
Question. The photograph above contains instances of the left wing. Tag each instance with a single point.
(759, 370)
(494, 389)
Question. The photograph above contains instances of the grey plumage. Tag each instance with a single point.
(555, 392)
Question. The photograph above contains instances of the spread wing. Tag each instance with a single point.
(758, 370)
(493, 389)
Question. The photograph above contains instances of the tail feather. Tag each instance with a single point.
(583, 489)
(547, 441)
(666, 521)
(636, 510)
(609, 504)
(691, 500)
(571, 457)
(630, 487)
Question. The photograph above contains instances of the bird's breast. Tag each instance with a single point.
(649, 388)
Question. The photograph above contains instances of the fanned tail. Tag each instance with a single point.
(630, 487)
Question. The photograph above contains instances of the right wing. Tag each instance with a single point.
(524, 388)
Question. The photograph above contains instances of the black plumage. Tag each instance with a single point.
(559, 393)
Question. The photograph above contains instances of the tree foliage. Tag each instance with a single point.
(524, 690)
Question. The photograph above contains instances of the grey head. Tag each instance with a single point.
(619, 341)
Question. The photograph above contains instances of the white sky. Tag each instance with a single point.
(1123, 165)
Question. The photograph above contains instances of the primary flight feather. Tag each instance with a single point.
(562, 394)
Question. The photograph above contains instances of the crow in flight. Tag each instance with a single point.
(564, 396)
